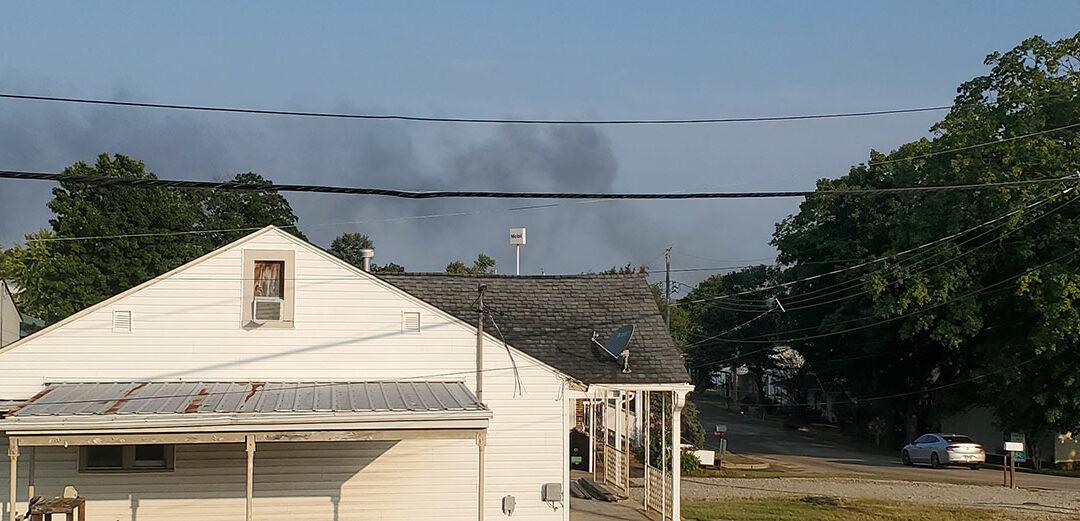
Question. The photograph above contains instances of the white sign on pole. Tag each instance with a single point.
(1014, 446)
(517, 236)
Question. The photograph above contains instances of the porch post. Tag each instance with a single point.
(646, 421)
(13, 457)
(481, 444)
(249, 447)
(678, 400)
(30, 489)
(626, 446)
(663, 455)
(592, 433)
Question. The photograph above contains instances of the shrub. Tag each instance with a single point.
(690, 462)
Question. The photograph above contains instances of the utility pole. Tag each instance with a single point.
(480, 343)
(481, 437)
(667, 288)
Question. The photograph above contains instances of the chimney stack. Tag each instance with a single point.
(366, 254)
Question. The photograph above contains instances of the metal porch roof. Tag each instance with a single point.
(240, 398)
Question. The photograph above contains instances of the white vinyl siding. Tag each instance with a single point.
(348, 327)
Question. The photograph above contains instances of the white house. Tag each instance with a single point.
(272, 380)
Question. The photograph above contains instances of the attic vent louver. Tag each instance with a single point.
(410, 322)
(121, 321)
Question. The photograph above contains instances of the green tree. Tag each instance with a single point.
(715, 320)
(347, 247)
(966, 309)
(106, 238)
(105, 267)
(239, 213)
(52, 284)
(481, 266)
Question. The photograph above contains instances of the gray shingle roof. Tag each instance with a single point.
(140, 398)
(552, 318)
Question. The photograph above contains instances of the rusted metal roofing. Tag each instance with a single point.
(148, 398)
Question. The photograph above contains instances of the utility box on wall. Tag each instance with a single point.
(551, 492)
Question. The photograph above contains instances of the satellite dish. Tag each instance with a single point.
(617, 345)
(619, 341)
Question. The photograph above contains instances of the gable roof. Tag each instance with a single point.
(552, 318)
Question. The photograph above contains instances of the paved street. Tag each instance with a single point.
(769, 441)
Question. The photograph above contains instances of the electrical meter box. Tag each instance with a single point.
(551, 492)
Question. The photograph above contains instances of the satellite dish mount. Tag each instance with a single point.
(617, 345)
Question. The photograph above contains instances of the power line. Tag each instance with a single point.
(437, 119)
(496, 194)
(894, 318)
(794, 303)
(971, 147)
(297, 226)
(870, 261)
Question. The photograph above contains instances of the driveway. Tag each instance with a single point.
(768, 440)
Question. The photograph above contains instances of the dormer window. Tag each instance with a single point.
(268, 288)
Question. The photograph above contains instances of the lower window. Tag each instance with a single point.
(125, 458)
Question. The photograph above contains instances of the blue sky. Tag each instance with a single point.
(500, 59)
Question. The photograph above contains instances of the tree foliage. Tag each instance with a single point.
(141, 232)
(971, 309)
(347, 247)
(713, 320)
(482, 265)
(245, 211)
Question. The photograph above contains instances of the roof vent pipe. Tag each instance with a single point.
(365, 255)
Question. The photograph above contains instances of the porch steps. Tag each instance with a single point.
(596, 490)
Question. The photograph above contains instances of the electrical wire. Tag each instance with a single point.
(897, 317)
(495, 194)
(864, 263)
(437, 119)
(972, 147)
(794, 304)
(297, 226)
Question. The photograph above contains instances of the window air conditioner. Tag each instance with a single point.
(267, 309)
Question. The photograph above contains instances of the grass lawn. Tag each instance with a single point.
(817, 508)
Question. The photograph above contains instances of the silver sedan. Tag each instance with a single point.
(939, 450)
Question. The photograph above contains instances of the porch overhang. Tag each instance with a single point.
(217, 412)
(177, 413)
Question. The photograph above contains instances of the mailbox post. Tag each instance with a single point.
(1009, 466)
(721, 442)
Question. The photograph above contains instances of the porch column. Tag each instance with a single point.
(249, 447)
(30, 489)
(13, 456)
(592, 434)
(481, 444)
(626, 439)
(678, 400)
(647, 419)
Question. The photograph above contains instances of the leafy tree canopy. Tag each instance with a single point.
(482, 265)
(144, 232)
(971, 308)
(246, 211)
(347, 247)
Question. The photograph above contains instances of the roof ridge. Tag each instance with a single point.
(510, 277)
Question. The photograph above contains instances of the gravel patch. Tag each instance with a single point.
(1039, 503)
